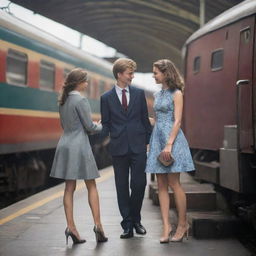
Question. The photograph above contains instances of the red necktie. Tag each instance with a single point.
(124, 99)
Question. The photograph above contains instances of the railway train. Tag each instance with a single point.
(219, 117)
(33, 65)
(220, 102)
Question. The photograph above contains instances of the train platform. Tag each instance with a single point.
(35, 226)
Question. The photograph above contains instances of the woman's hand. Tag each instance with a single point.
(97, 122)
(166, 152)
(152, 121)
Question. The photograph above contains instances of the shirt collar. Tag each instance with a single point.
(119, 89)
(74, 93)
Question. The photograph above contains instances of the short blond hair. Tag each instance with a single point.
(121, 64)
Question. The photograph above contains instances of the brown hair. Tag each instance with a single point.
(121, 64)
(174, 79)
(74, 77)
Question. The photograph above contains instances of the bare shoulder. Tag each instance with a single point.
(178, 95)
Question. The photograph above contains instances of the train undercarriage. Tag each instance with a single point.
(25, 173)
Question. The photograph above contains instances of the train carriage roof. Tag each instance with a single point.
(238, 12)
(145, 30)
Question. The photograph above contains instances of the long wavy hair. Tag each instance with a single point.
(74, 77)
(173, 77)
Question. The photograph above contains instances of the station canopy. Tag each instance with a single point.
(144, 30)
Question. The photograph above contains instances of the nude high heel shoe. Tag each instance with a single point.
(165, 240)
(180, 238)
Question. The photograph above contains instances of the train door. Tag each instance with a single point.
(254, 89)
(244, 89)
(245, 109)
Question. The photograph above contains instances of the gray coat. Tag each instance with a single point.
(73, 157)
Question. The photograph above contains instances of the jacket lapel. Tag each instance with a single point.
(133, 96)
(116, 100)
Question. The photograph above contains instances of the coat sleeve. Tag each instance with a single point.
(84, 112)
(61, 121)
(145, 119)
(105, 117)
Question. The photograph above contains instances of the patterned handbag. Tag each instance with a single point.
(164, 162)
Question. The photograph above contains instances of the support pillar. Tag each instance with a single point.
(202, 12)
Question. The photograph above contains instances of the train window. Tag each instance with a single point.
(47, 75)
(246, 34)
(226, 35)
(217, 60)
(197, 62)
(16, 71)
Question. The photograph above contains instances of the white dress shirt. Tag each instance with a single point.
(119, 93)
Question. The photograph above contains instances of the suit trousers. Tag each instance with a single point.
(130, 167)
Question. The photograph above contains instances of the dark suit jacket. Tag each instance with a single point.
(128, 130)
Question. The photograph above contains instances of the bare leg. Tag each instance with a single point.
(162, 181)
(70, 186)
(93, 199)
(181, 204)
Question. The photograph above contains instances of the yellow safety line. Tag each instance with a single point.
(31, 207)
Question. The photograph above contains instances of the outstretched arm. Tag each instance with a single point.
(84, 112)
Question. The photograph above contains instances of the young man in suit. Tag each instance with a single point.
(125, 118)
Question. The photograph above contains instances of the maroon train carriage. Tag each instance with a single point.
(220, 98)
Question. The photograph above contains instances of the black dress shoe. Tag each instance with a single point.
(139, 229)
(128, 233)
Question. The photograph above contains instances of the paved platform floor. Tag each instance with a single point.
(35, 227)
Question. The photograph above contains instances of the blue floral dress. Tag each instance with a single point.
(164, 109)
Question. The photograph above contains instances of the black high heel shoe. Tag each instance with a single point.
(74, 238)
(99, 235)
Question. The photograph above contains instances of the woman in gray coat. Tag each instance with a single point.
(73, 157)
